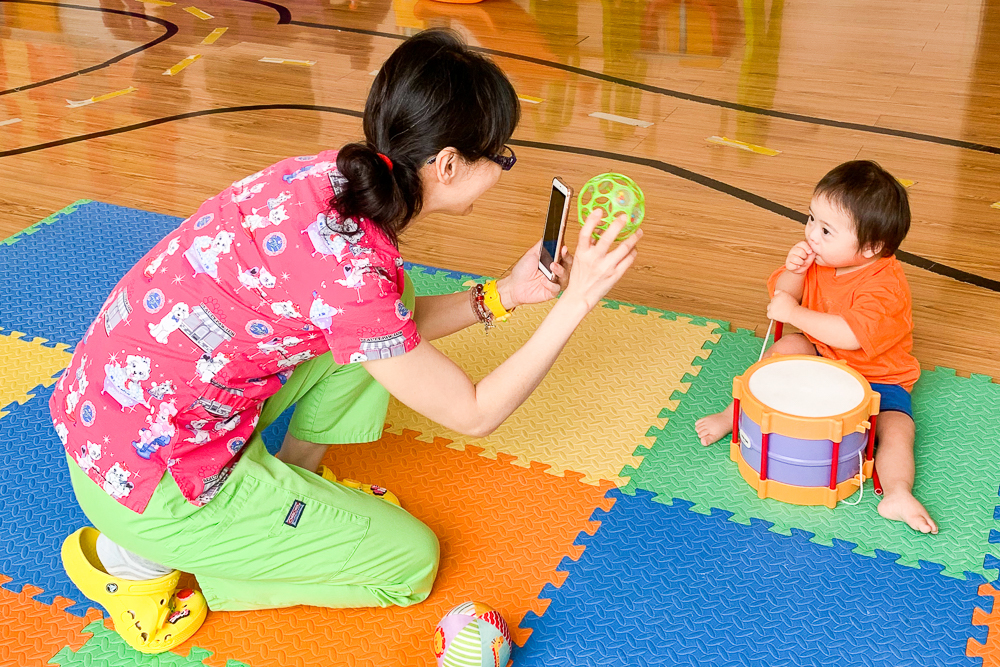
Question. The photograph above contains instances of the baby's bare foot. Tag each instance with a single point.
(902, 506)
(715, 427)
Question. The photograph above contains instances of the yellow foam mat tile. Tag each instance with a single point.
(593, 409)
(25, 364)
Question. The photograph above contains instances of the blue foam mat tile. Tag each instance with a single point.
(274, 434)
(63, 272)
(56, 278)
(661, 585)
(37, 506)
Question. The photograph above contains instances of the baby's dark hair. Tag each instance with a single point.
(875, 200)
(433, 92)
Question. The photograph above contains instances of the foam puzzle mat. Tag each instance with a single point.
(704, 589)
(585, 416)
(958, 428)
(683, 565)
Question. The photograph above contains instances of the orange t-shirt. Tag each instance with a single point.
(876, 303)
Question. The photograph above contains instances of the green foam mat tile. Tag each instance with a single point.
(14, 238)
(428, 281)
(107, 649)
(957, 458)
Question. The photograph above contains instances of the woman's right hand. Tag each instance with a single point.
(598, 265)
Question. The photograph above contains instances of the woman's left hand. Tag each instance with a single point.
(526, 284)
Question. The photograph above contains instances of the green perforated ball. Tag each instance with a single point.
(614, 194)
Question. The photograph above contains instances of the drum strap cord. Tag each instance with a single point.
(861, 478)
(766, 336)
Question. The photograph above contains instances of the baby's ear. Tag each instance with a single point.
(873, 250)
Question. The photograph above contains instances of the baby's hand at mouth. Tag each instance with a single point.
(800, 257)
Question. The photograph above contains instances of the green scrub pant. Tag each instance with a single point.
(346, 549)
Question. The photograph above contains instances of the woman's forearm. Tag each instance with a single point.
(433, 385)
(444, 314)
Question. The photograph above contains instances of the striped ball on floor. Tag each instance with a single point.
(472, 635)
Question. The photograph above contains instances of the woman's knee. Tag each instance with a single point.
(426, 548)
(424, 553)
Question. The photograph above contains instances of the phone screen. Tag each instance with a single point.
(557, 202)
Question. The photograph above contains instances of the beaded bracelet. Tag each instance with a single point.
(483, 313)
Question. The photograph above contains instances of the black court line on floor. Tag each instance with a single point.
(172, 30)
(761, 202)
(681, 172)
(285, 18)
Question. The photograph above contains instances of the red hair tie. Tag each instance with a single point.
(387, 161)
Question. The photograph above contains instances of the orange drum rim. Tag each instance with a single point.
(832, 428)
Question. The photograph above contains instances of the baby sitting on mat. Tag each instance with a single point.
(843, 288)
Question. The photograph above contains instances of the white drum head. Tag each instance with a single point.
(806, 388)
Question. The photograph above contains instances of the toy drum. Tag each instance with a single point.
(800, 426)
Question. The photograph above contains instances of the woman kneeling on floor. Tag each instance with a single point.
(288, 288)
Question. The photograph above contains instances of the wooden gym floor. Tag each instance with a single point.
(914, 86)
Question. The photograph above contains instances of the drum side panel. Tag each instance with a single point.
(800, 462)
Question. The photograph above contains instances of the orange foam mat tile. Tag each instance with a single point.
(32, 632)
(990, 651)
(503, 530)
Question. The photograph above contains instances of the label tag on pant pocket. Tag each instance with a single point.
(295, 513)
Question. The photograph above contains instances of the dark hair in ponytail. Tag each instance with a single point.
(433, 92)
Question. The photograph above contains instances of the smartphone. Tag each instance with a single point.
(555, 226)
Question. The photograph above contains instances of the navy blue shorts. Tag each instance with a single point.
(894, 398)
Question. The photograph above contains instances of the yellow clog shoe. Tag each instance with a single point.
(371, 489)
(152, 616)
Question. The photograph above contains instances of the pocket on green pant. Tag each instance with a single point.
(282, 534)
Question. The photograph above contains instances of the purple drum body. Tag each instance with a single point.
(800, 462)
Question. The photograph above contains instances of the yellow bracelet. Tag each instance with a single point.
(491, 296)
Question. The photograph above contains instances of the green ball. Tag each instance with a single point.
(614, 194)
